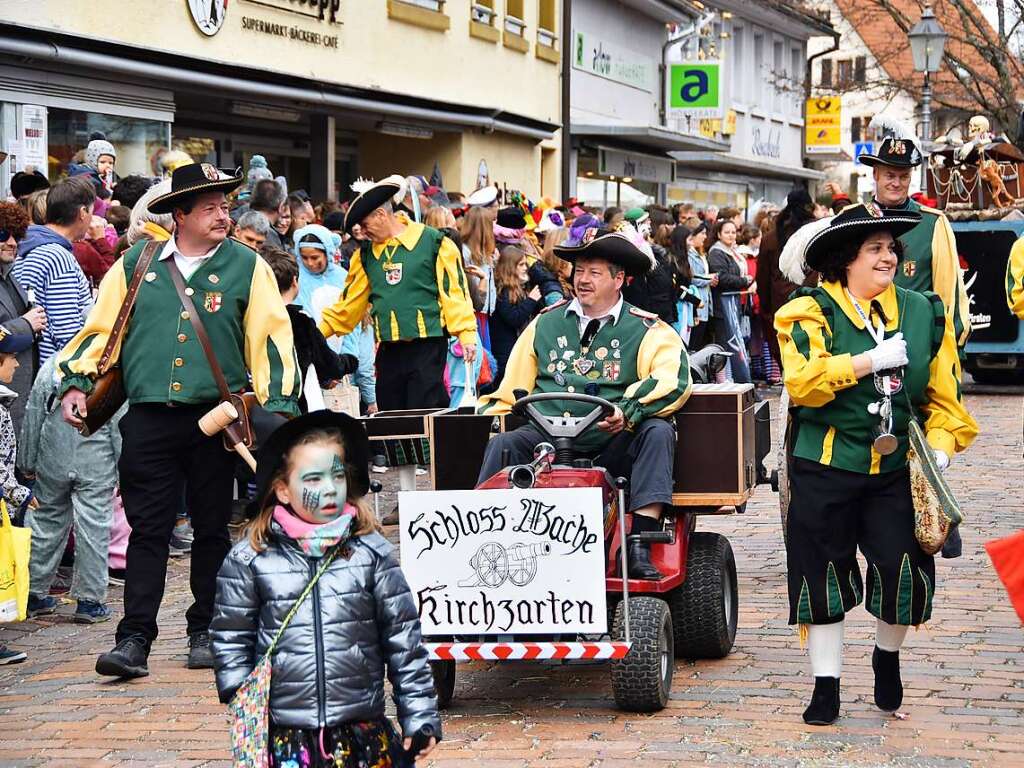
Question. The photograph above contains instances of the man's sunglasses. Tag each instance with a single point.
(5, 235)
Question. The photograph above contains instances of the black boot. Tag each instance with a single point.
(824, 706)
(126, 659)
(200, 655)
(953, 546)
(639, 553)
(888, 685)
(638, 557)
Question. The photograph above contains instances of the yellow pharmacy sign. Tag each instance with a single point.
(824, 121)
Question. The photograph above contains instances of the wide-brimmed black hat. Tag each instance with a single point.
(275, 448)
(23, 183)
(193, 179)
(898, 153)
(623, 247)
(856, 221)
(371, 199)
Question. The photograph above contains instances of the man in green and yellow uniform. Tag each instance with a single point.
(170, 386)
(930, 261)
(598, 344)
(1015, 279)
(413, 277)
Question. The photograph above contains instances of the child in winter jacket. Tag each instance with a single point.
(327, 684)
(14, 493)
(75, 478)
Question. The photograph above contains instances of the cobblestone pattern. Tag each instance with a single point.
(964, 674)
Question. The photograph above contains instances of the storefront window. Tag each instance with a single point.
(139, 143)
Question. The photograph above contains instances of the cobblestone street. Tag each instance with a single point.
(964, 673)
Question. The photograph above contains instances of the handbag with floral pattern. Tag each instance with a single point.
(248, 709)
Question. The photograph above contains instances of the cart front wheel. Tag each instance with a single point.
(705, 607)
(444, 682)
(642, 680)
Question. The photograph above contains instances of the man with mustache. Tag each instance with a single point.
(170, 385)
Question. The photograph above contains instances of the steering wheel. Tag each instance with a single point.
(563, 427)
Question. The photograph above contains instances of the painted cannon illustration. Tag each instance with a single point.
(493, 564)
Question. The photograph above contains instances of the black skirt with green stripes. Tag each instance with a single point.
(832, 513)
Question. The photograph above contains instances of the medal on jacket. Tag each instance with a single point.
(886, 384)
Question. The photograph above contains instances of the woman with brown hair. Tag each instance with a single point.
(514, 307)
(557, 266)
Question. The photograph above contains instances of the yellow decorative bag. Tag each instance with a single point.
(935, 507)
(15, 548)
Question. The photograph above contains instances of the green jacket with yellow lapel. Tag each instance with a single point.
(637, 362)
(162, 360)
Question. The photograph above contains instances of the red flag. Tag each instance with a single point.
(1008, 560)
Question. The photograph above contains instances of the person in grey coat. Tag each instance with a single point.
(358, 622)
(17, 313)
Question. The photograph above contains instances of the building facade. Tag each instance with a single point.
(326, 90)
(865, 89)
(620, 137)
(763, 49)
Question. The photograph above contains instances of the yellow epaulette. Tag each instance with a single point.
(643, 313)
(929, 209)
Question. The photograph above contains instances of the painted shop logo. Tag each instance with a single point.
(208, 15)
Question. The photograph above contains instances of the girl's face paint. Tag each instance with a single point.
(316, 487)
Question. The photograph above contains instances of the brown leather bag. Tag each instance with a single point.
(239, 430)
(108, 393)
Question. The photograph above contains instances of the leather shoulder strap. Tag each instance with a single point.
(149, 252)
(200, 329)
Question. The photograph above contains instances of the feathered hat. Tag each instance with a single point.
(372, 195)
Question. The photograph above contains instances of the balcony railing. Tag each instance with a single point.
(515, 26)
(483, 14)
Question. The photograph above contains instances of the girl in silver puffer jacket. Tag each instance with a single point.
(327, 686)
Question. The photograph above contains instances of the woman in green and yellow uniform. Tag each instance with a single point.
(861, 356)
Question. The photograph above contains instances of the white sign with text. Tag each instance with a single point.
(505, 561)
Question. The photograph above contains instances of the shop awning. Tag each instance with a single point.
(649, 137)
(714, 161)
(136, 64)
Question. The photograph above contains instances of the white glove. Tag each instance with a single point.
(890, 353)
(941, 459)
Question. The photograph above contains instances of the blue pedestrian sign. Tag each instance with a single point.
(863, 148)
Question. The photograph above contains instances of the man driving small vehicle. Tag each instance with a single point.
(599, 345)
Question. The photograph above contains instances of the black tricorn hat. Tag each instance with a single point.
(275, 449)
(371, 199)
(193, 179)
(24, 183)
(856, 220)
(898, 153)
(619, 246)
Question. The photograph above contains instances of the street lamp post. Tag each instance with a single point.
(927, 43)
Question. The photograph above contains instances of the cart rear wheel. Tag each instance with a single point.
(444, 682)
(705, 607)
(642, 681)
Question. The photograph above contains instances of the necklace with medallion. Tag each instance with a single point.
(885, 441)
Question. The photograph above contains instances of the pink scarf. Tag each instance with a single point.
(315, 539)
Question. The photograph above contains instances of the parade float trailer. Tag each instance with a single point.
(979, 185)
(528, 565)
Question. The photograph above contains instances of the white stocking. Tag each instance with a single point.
(407, 477)
(889, 637)
(825, 647)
